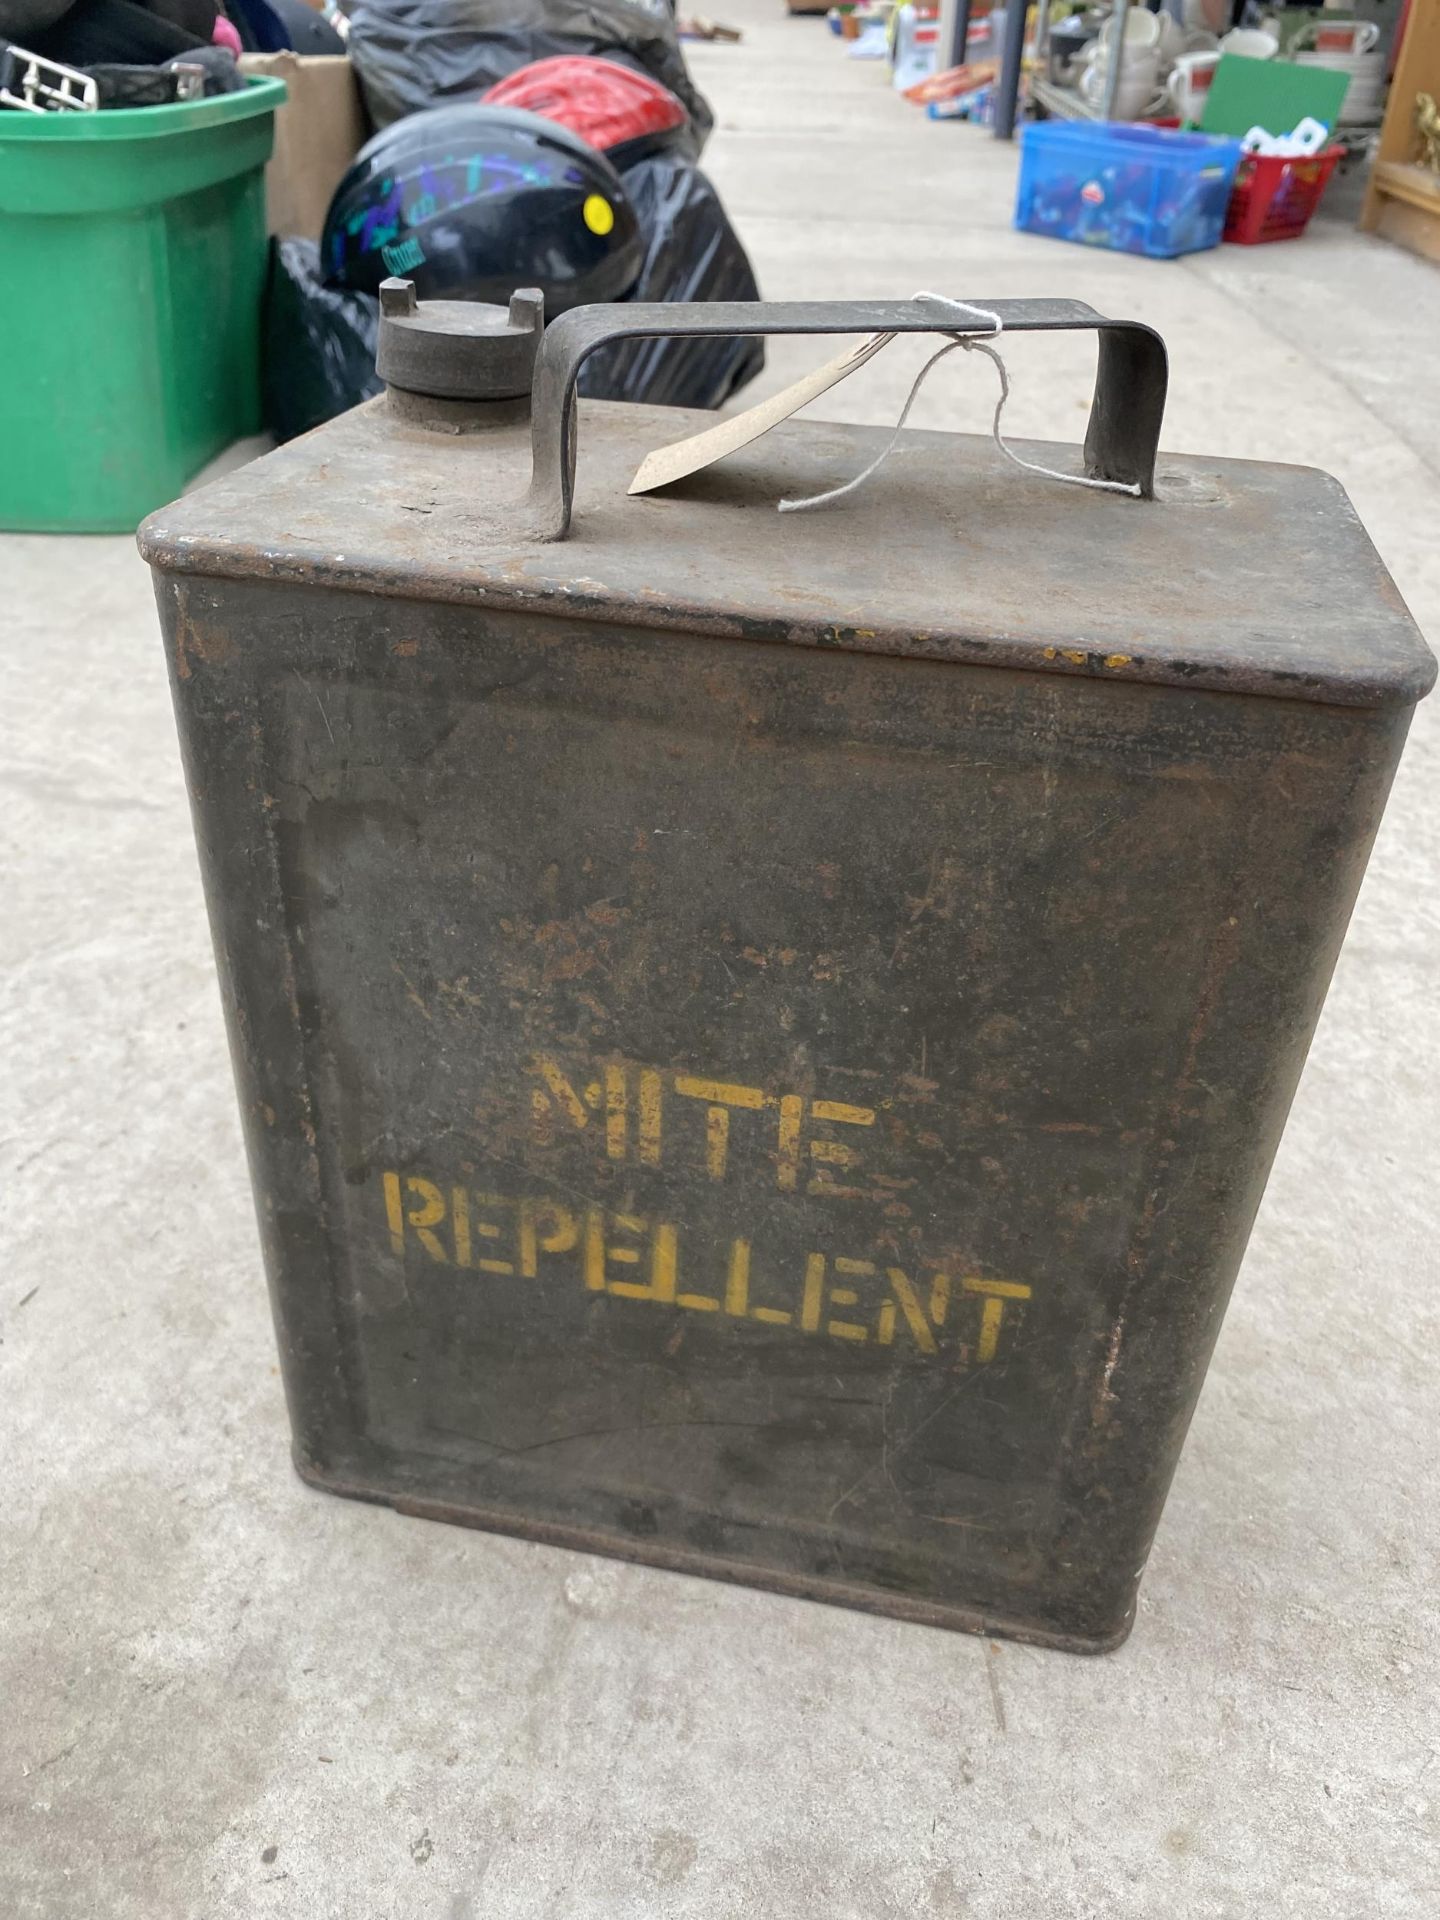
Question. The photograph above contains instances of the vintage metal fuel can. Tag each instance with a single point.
(761, 1038)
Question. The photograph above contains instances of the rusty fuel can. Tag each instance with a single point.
(761, 1038)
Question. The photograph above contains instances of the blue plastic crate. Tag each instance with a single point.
(1132, 188)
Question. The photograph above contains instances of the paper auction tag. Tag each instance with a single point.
(683, 457)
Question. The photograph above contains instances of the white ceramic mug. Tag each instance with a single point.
(1171, 43)
(1189, 82)
(1142, 29)
(1340, 36)
(1251, 43)
(1137, 102)
(1137, 95)
(1096, 57)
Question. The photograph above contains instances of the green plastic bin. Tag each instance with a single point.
(135, 256)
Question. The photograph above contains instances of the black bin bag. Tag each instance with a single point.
(691, 253)
(413, 54)
(319, 343)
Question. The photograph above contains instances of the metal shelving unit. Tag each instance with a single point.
(1066, 103)
(1063, 103)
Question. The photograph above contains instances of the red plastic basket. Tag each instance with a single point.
(1273, 198)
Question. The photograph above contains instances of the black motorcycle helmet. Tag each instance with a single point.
(471, 202)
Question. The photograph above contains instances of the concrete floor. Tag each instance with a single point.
(223, 1695)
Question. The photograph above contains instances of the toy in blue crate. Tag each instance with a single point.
(1135, 189)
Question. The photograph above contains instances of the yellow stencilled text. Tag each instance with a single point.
(638, 1112)
(637, 1257)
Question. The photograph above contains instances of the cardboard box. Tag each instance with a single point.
(318, 132)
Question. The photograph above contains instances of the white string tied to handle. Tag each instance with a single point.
(970, 343)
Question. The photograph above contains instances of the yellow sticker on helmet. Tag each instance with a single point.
(598, 214)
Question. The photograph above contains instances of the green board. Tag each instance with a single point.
(1273, 94)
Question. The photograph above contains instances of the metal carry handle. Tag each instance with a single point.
(1121, 440)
